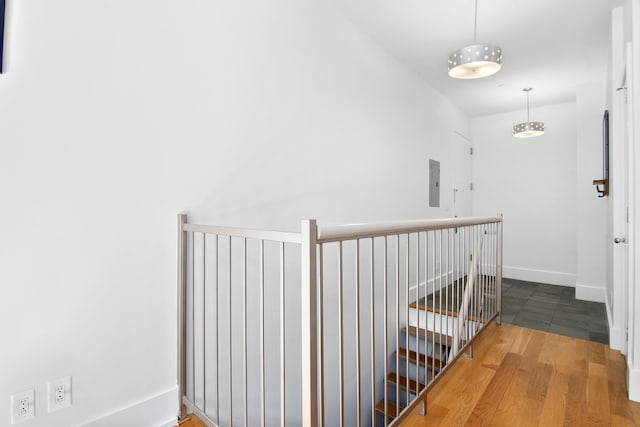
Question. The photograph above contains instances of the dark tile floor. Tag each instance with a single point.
(554, 309)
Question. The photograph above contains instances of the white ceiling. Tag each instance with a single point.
(550, 45)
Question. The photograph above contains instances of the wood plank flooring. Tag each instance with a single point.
(193, 422)
(524, 377)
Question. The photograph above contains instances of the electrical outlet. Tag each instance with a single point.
(23, 406)
(59, 394)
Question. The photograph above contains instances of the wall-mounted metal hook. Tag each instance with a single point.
(604, 191)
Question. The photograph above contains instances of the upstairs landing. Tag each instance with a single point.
(524, 377)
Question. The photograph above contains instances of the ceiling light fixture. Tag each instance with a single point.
(477, 60)
(528, 129)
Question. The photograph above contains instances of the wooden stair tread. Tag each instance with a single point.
(392, 409)
(402, 382)
(422, 359)
(412, 330)
(433, 309)
(444, 312)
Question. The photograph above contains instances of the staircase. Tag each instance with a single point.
(224, 273)
(431, 334)
(423, 359)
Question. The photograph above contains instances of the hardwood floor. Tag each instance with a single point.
(524, 377)
(193, 422)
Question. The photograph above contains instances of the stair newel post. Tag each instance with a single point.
(182, 315)
(309, 312)
(423, 405)
(499, 270)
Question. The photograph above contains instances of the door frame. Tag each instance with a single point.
(633, 97)
(455, 135)
(620, 191)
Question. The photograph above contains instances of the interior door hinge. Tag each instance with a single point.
(471, 151)
(471, 186)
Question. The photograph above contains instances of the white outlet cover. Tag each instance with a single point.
(56, 399)
(29, 398)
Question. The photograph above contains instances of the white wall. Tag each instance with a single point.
(591, 211)
(117, 115)
(533, 183)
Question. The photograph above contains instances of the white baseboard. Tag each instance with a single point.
(617, 339)
(159, 410)
(607, 306)
(540, 276)
(590, 293)
(171, 423)
(633, 383)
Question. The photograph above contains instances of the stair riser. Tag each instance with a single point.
(424, 346)
(420, 345)
(380, 420)
(403, 395)
(445, 327)
(412, 375)
(433, 321)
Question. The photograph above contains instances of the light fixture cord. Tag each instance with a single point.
(475, 23)
(528, 120)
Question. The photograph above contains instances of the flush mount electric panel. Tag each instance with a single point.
(434, 183)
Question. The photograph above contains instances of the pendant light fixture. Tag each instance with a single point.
(528, 129)
(477, 60)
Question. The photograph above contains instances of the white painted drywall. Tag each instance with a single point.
(117, 115)
(591, 211)
(533, 183)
